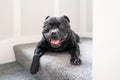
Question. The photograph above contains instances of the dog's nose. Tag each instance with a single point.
(53, 33)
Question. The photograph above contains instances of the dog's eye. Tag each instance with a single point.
(45, 30)
(61, 26)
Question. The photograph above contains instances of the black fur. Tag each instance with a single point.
(67, 41)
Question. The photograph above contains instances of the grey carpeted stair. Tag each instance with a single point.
(56, 66)
(13, 71)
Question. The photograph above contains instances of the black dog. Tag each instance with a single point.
(57, 36)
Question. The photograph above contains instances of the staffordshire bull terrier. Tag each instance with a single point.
(57, 37)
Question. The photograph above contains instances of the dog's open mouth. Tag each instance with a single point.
(55, 41)
(58, 41)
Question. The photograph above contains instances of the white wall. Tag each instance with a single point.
(72, 10)
(6, 19)
(106, 41)
(80, 14)
(33, 13)
(85, 18)
(22, 20)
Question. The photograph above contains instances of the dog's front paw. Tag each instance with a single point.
(75, 61)
(34, 69)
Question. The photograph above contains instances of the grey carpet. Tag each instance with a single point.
(56, 66)
(13, 71)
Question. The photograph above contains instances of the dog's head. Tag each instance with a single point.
(56, 30)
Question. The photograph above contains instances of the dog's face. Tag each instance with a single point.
(56, 30)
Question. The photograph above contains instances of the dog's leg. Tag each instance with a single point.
(35, 63)
(75, 52)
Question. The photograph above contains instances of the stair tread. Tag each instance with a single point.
(56, 66)
(13, 71)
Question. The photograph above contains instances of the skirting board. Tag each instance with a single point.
(85, 34)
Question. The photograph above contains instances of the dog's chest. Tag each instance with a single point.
(60, 49)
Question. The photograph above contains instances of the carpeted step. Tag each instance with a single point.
(13, 71)
(56, 66)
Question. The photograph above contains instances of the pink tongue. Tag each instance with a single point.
(55, 41)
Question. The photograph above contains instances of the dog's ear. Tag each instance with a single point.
(66, 18)
(47, 17)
